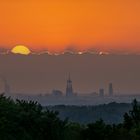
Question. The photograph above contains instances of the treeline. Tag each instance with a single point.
(22, 120)
(109, 113)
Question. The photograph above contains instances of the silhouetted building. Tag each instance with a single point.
(69, 88)
(101, 92)
(110, 90)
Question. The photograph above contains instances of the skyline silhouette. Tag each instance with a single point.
(42, 73)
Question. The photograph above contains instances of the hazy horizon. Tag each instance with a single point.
(89, 72)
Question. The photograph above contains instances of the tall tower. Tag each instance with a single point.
(69, 89)
(110, 89)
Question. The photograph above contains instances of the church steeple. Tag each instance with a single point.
(69, 88)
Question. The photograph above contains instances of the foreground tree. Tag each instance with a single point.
(28, 121)
(23, 120)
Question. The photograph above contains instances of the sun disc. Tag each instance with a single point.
(21, 49)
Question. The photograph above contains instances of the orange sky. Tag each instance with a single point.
(57, 24)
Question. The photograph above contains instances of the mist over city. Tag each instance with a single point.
(44, 77)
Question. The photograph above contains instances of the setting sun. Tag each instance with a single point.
(21, 49)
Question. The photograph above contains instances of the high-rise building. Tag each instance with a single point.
(110, 89)
(69, 88)
(101, 92)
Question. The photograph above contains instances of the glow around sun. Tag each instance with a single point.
(21, 49)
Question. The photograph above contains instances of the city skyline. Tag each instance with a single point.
(69, 92)
(38, 73)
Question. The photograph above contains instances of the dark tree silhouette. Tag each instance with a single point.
(28, 120)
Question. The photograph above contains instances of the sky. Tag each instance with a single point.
(55, 25)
